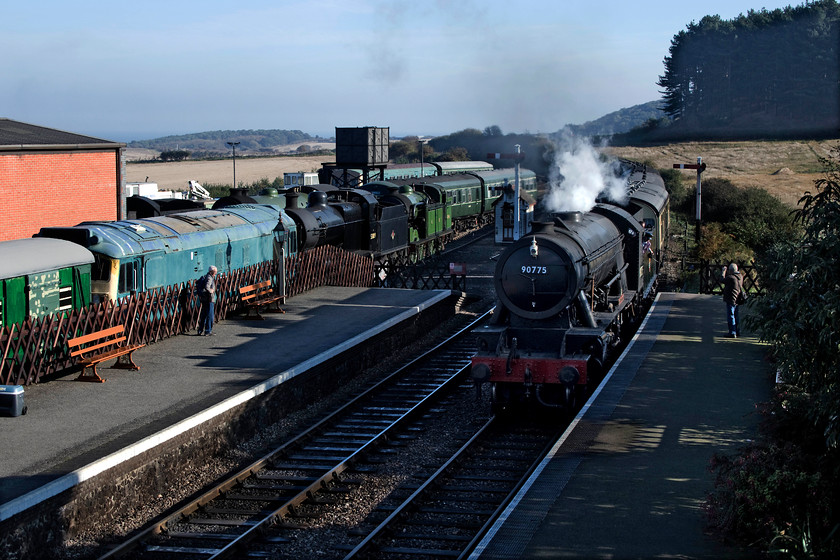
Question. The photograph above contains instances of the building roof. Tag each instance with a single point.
(15, 135)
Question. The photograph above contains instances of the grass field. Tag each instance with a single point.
(785, 169)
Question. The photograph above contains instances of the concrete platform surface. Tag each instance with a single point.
(629, 476)
(74, 431)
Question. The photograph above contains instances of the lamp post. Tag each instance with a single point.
(234, 145)
(422, 143)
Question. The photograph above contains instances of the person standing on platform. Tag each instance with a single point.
(207, 297)
(733, 292)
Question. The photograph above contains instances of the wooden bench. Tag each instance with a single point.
(100, 346)
(260, 297)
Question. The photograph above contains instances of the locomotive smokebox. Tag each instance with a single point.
(542, 273)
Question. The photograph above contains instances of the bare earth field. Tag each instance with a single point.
(785, 169)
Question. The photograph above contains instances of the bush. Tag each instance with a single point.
(718, 246)
(778, 493)
(752, 216)
(674, 184)
(174, 155)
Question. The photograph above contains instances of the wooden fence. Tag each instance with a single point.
(37, 348)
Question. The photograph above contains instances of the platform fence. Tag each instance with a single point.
(37, 348)
(711, 280)
(429, 274)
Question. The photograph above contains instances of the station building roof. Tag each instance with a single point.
(17, 136)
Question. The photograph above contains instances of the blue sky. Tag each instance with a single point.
(136, 70)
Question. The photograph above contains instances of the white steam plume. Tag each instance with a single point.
(578, 175)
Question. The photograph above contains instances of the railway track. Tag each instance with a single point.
(447, 511)
(231, 519)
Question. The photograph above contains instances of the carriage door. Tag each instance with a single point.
(130, 280)
(507, 223)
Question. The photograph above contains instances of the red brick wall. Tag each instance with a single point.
(55, 189)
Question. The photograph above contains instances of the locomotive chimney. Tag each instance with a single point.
(292, 198)
(562, 219)
(572, 217)
(542, 227)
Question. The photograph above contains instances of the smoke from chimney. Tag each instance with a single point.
(578, 175)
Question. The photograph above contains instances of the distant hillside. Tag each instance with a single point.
(250, 141)
(620, 121)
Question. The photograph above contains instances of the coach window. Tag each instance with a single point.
(101, 269)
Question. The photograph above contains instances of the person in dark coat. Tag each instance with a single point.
(207, 296)
(733, 286)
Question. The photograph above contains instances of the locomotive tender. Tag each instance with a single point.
(568, 291)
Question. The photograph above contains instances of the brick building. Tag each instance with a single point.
(50, 177)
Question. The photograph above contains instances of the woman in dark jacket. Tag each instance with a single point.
(732, 288)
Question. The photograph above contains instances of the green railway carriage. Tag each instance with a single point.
(493, 184)
(42, 276)
(463, 196)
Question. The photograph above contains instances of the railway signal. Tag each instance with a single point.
(700, 167)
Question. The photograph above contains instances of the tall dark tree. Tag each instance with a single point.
(766, 70)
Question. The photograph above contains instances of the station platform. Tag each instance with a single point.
(630, 474)
(76, 431)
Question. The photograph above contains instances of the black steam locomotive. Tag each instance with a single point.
(568, 291)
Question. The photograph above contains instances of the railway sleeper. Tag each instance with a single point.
(234, 511)
(182, 550)
(431, 537)
(261, 475)
(274, 497)
(434, 553)
(201, 536)
(466, 524)
(222, 522)
(276, 488)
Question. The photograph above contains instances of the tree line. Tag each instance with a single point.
(216, 141)
(764, 72)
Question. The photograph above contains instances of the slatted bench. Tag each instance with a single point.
(100, 346)
(260, 297)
